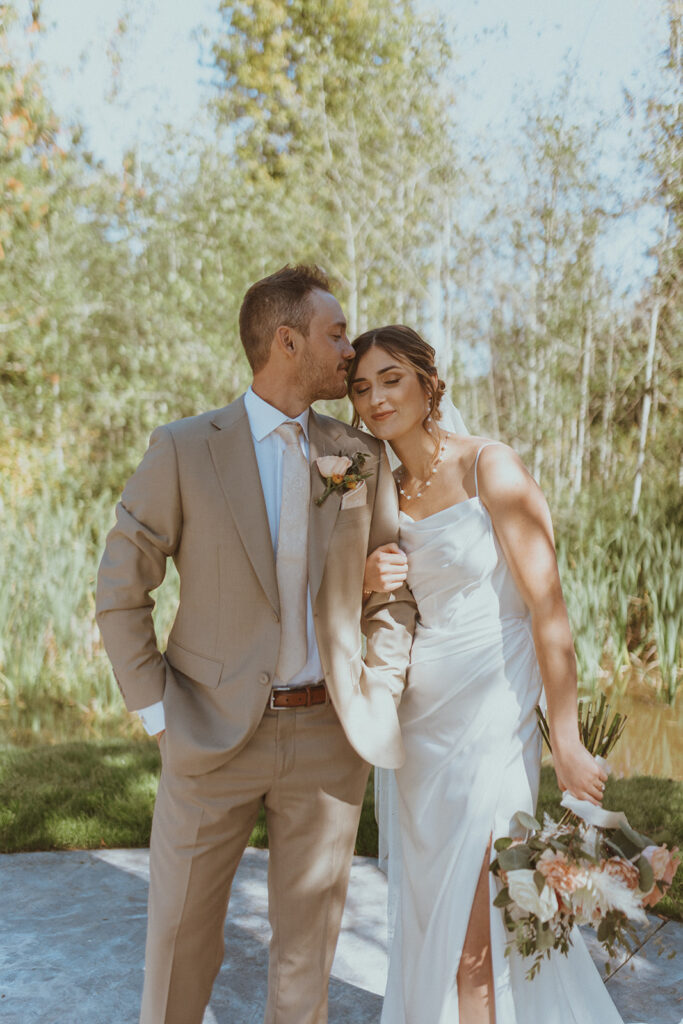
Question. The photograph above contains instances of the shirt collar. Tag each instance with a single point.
(265, 418)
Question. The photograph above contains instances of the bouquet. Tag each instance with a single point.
(589, 868)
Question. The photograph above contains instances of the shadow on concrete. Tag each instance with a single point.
(72, 943)
(72, 938)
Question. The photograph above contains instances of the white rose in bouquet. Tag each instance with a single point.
(524, 892)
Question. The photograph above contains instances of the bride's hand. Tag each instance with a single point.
(385, 569)
(579, 772)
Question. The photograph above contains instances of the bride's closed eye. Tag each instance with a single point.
(364, 390)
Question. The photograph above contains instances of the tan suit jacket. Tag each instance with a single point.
(197, 497)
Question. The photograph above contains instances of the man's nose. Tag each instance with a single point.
(349, 351)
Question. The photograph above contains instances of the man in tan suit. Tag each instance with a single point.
(262, 697)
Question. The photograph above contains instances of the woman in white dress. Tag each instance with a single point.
(493, 635)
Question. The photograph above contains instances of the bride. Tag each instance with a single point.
(477, 551)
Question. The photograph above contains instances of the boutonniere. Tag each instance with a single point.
(340, 473)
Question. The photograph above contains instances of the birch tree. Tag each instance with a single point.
(666, 120)
(340, 108)
(544, 335)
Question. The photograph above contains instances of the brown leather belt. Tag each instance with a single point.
(297, 696)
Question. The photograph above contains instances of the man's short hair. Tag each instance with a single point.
(282, 299)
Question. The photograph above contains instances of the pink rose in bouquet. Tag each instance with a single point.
(664, 864)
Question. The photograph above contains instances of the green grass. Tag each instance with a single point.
(96, 794)
(101, 794)
(77, 795)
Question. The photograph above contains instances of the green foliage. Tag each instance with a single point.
(101, 793)
(623, 584)
(340, 110)
(50, 658)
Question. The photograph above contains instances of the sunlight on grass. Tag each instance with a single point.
(101, 795)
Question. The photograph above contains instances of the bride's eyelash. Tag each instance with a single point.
(364, 391)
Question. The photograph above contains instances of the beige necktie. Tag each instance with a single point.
(291, 564)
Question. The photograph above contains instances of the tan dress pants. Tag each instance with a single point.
(300, 765)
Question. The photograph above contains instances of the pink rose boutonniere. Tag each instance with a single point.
(341, 474)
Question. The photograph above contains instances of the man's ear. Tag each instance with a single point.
(285, 339)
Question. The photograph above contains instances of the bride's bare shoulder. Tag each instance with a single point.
(467, 447)
(501, 473)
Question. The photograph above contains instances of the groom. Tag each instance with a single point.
(262, 697)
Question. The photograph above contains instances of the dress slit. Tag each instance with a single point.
(481, 909)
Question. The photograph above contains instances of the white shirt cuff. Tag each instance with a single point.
(153, 718)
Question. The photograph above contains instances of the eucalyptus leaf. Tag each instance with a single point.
(610, 842)
(646, 876)
(544, 938)
(503, 899)
(527, 821)
(515, 857)
(636, 838)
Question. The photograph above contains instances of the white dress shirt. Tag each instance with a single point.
(264, 419)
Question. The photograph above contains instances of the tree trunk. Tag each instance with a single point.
(352, 305)
(557, 458)
(493, 403)
(608, 413)
(579, 451)
(647, 405)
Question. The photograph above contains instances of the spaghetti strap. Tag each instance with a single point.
(476, 461)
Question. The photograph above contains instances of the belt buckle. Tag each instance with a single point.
(278, 689)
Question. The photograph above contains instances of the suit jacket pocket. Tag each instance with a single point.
(196, 666)
(353, 516)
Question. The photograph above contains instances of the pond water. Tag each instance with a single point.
(652, 740)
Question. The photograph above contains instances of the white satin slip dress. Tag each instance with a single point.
(473, 755)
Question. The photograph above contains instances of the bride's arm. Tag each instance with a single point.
(521, 519)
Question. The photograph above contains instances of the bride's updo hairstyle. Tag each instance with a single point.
(407, 347)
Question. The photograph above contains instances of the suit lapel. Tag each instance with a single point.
(234, 459)
(323, 439)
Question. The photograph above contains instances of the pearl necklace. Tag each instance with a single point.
(428, 482)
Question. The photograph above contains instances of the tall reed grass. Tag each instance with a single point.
(622, 584)
(55, 679)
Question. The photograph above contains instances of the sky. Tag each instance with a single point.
(506, 50)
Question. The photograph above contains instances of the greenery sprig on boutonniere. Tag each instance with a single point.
(340, 473)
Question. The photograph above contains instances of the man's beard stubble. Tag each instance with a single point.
(317, 385)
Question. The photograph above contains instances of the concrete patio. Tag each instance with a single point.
(72, 932)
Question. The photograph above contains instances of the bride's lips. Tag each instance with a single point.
(378, 417)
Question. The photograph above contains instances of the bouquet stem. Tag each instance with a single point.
(598, 734)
